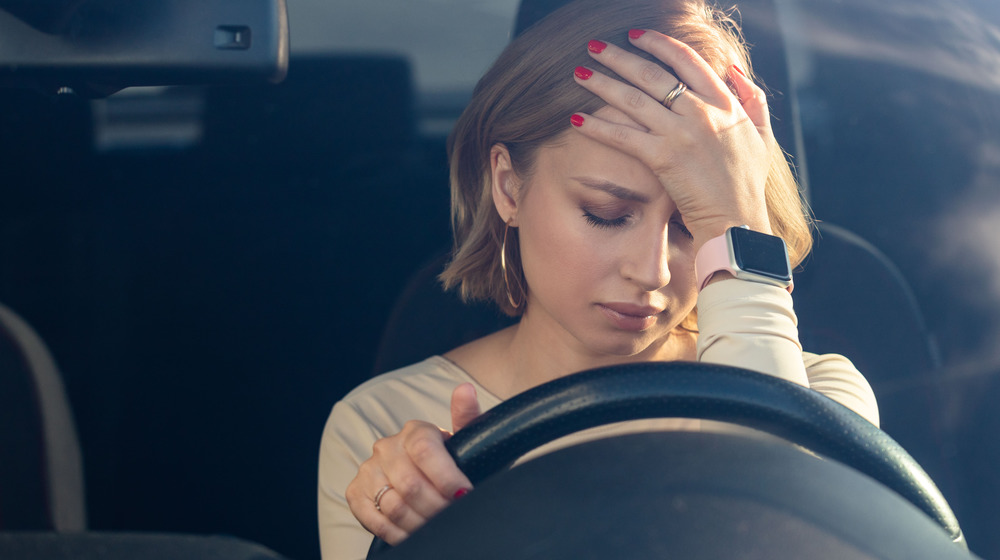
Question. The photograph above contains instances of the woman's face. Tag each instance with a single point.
(608, 261)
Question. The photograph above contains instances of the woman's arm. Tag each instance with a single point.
(709, 147)
(750, 325)
(346, 443)
(753, 326)
(836, 377)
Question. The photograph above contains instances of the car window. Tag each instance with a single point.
(450, 42)
(899, 137)
(900, 123)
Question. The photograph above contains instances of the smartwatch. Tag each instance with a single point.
(748, 255)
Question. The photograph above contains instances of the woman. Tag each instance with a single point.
(611, 147)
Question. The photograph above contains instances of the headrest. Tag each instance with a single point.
(329, 109)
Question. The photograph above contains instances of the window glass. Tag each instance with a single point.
(450, 42)
(899, 106)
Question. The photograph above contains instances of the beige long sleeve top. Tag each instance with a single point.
(742, 324)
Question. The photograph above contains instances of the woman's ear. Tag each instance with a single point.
(505, 184)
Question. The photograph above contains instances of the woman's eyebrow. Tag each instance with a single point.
(613, 189)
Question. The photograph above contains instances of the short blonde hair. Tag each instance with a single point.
(525, 100)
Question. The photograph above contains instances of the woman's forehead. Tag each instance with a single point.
(578, 159)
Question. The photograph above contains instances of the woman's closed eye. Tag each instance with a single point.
(605, 222)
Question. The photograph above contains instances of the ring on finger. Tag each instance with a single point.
(673, 94)
(378, 496)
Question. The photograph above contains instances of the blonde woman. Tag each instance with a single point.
(603, 164)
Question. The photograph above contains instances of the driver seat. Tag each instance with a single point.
(41, 471)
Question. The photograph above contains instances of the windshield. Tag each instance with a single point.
(213, 267)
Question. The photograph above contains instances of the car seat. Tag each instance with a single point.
(42, 506)
(41, 474)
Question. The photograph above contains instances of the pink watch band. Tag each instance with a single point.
(711, 258)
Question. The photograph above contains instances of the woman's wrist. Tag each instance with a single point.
(704, 233)
(719, 276)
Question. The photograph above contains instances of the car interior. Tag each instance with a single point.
(208, 239)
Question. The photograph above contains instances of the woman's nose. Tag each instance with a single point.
(647, 262)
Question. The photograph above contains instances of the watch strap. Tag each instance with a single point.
(711, 258)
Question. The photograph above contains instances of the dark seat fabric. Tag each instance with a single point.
(852, 300)
(426, 320)
(41, 473)
(128, 546)
(44, 146)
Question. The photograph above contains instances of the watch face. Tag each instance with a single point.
(760, 253)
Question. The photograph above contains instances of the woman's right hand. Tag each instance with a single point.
(709, 148)
(420, 475)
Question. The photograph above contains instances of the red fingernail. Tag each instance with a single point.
(737, 68)
(576, 120)
(596, 46)
(583, 72)
(635, 33)
(461, 492)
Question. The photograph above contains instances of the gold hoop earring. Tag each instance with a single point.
(503, 269)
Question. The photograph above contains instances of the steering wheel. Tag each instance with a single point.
(693, 390)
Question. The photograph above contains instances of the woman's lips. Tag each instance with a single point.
(630, 317)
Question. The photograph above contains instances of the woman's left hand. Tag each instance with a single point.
(710, 149)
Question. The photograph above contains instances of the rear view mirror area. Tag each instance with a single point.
(97, 47)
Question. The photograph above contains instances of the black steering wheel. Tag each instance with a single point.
(693, 390)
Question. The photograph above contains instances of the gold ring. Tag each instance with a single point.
(378, 496)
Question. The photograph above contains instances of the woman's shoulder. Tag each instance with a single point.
(384, 403)
(429, 378)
